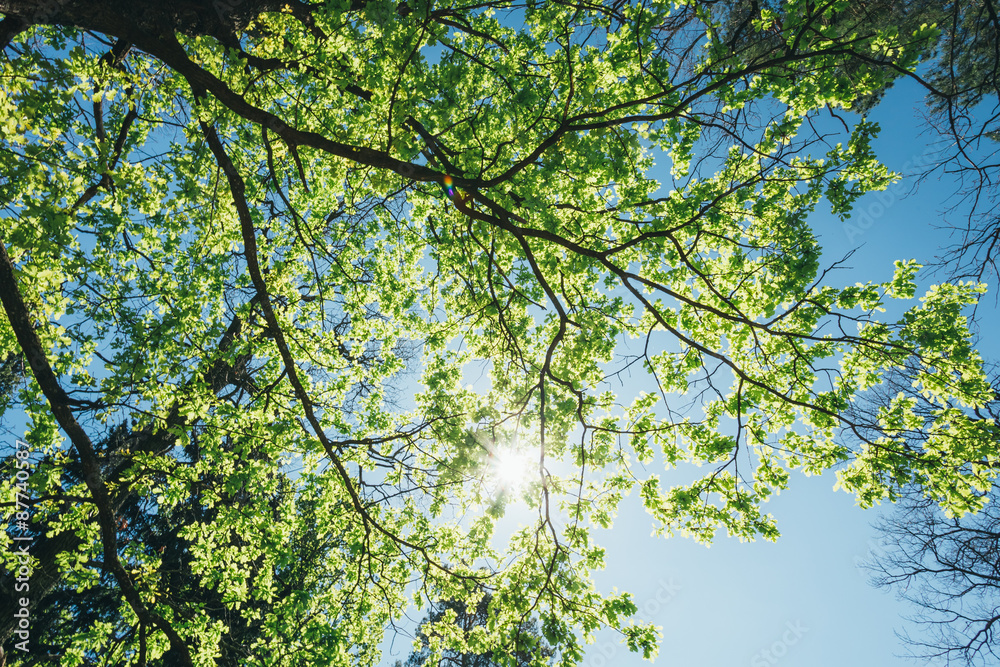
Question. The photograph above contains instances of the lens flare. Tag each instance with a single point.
(511, 468)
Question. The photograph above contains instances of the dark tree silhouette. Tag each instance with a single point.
(527, 645)
(949, 568)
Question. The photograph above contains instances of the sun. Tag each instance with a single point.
(512, 468)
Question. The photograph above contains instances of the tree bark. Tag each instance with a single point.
(221, 19)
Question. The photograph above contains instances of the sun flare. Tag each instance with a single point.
(512, 468)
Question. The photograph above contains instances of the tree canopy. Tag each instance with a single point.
(291, 283)
(960, 79)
